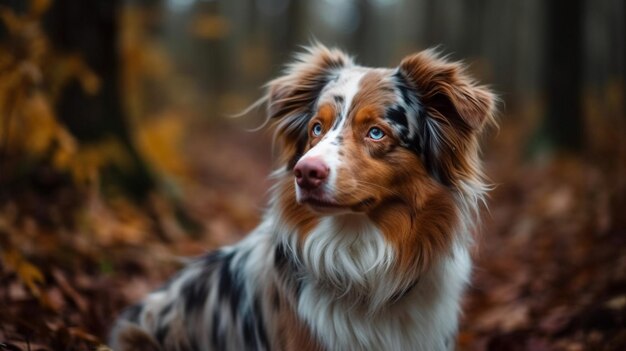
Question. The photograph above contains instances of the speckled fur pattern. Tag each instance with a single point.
(385, 266)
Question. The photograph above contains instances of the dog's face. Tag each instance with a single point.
(357, 137)
(354, 158)
(396, 145)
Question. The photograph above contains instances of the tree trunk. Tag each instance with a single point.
(90, 28)
(563, 121)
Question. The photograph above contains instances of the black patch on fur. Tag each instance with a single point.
(300, 145)
(429, 148)
(288, 269)
(230, 288)
(405, 89)
(276, 301)
(284, 262)
(338, 99)
(426, 142)
(337, 121)
(280, 257)
(254, 334)
(217, 338)
(165, 311)
(161, 333)
(249, 336)
(212, 258)
(299, 287)
(260, 327)
(132, 313)
(397, 115)
(194, 292)
(225, 277)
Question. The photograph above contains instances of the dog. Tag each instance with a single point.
(365, 242)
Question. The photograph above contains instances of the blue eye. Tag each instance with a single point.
(317, 129)
(376, 133)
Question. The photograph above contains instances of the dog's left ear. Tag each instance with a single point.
(454, 110)
(291, 97)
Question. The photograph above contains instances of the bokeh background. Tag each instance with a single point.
(118, 156)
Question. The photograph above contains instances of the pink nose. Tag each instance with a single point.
(310, 173)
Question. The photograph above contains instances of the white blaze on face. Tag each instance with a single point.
(327, 149)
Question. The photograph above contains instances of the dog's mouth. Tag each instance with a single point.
(325, 205)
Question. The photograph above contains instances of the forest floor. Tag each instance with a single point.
(550, 269)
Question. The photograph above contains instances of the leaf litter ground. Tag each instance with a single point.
(550, 269)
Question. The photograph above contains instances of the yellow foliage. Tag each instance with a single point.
(144, 60)
(89, 159)
(28, 122)
(159, 141)
(209, 26)
(158, 135)
(38, 7)
(40, 130)
(27, 35)
(32, 77)
(28, 274)
(66, 149)
(141, 55)
(64, 68)
(29, 127)
(11, 21)
(38, 124)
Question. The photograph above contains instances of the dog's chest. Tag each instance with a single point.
(424, 319)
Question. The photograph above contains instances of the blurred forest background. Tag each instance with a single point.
(117, 157)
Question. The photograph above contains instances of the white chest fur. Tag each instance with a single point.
(349, 284)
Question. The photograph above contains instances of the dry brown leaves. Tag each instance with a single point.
(551, 269)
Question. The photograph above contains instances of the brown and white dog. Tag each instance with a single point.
(365, 242)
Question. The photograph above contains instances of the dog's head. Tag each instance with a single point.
(397, 145)
(356, 137)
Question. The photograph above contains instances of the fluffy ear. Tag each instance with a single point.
(454, 110)
(292, 97)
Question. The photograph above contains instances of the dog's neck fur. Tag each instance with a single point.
(347, 257)
(347, 292)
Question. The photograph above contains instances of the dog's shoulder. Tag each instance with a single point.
(213, 303)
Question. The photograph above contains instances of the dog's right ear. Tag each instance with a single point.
(455, 110)
(291, 98)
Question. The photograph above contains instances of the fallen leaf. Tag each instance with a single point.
(28, 273)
